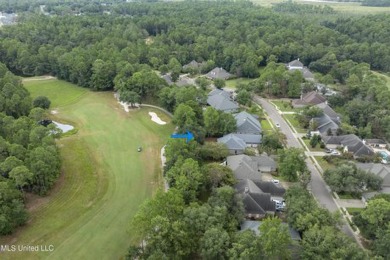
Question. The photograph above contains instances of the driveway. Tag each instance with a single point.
(317, 186)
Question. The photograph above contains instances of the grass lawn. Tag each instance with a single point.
(283, 105)
(294, 123)
(324, 164)
(232, 83)
(315, 149)
(266, 126)
(104, 179)
(354, 211)
(346, 196)
(60, 93)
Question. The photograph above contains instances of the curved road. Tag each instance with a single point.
(317, 185)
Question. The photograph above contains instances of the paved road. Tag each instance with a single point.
(317, 185)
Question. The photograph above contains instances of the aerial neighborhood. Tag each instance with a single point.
(194, 129)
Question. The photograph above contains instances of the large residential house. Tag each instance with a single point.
(247, 124)
(258, 197)
(297, 65)
(383, 171)
(255, 227)
(250, 167)
(325, 125)
(310, 98)
(244, 167)
(350, 144)
(218, 73)
(194, 65)
(248, 130)
(183, 80)
(221, 100)
(234, 144)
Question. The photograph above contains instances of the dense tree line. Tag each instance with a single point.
(29, 160)
(293, 7)
(374, 223)
(92, 50)
(321, 239)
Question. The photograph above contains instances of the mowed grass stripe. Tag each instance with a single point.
(105, 181)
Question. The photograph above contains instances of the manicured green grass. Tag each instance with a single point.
(104, 180)
(266, 126)
(346, 196)
(324, 164)
(232, 83)
(294, 122)
(283, 105)
(354, 211)
(60, 93)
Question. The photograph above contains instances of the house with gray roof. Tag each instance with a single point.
(218, 73)
(376, 143)
(265, 163)
(234, 144)
(310, 98)
(329, 112)
(325, 124)
(247, 124)
(257, 201)
(194, 65)
(307, 74)
(220, 100)
(383, 171)
(255, 225)
(350, 144)
(295, 65)
(244, 167)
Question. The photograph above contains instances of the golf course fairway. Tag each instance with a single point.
(103, 181)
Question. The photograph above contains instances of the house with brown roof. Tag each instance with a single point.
(310, 98)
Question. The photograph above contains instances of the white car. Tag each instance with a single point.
(275, 181)
(334, 152)
(277, 125)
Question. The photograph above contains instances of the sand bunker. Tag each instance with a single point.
(54, 112)
(124, 104)
(156, 119)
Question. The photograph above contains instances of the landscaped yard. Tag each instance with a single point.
(283, 105)
(266, 126)
(353, 211)
(232, 83)
(315, 149)
(294, 122)
(104, 179)
(324, 164)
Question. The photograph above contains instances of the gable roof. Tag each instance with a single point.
(232, 142)
(264, 161)
(352, 142)
(220, 92)
(306, 73)
(193, 64)
(378, 170)
(168, 79)
(246, 123)
(256, 200)
(313, 97)
(329, 112)
(243, 167)
(218, 73)
(254, 226)
(222, 103)
(250, 138)
(295, 63)
(375, 141)
(324, 123)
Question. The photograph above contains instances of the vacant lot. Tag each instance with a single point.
(104, 179)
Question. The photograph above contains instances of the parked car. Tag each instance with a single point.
(277, 125)
(139, 149)
(275, 181)
(327, 150)
(334, 152)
